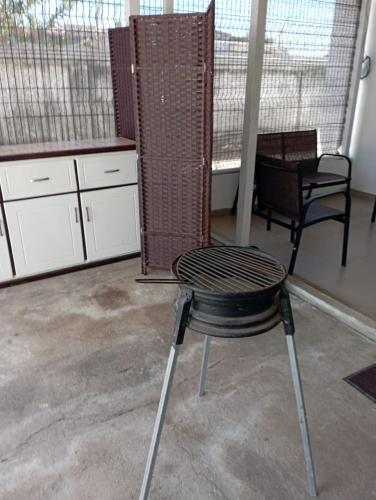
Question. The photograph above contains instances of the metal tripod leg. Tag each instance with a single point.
(182, 312)
(204, 365)
(289, 331)
(302, 415)
(167, 383)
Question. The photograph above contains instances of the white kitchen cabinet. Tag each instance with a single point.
(111, 222)
(45, 233)
(5, 266)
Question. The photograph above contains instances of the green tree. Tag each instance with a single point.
(31, 13)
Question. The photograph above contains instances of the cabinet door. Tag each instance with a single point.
(5, 267)
(45, 233)
(111, 222)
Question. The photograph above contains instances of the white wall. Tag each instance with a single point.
(224, 186)
(363, 140)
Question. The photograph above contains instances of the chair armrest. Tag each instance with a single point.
(337, 155)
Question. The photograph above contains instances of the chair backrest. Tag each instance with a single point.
(279, 187)
(301, 145)
(270, 145)
(289, 146)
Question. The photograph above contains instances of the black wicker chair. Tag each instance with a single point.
(301, 146)
(280, 192)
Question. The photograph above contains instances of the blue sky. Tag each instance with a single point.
(296, 25)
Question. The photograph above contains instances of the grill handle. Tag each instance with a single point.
(161, 280)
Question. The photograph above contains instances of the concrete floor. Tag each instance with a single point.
(82, 360)
(319, 258)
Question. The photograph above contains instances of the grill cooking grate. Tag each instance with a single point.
(229, 270)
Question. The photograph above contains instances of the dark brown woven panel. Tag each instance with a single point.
(158, 245)
(173, 88)
(210, 33)
(120, 53)
(278, 187)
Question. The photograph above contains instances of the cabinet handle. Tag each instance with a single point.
(1, 228)
(40, 179)
(76, 213)
(112, 171)
(87, 214)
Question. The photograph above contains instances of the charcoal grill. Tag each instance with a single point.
(234, 290)
(229, 292)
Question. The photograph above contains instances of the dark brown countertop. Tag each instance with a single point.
(64, 148)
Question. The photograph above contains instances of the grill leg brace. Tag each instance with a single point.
(182, 314)
(289, 331)
(204, 366)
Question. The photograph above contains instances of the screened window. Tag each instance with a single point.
(55, 79)
(230, 72)
(307, 67)
(151, 7)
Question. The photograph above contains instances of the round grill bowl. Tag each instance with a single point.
(235, 290)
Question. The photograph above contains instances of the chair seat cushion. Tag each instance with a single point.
(317, 212)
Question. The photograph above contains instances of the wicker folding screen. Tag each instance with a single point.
(172, 57)
(120, 54)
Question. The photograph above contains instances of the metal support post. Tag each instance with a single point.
(250, 124)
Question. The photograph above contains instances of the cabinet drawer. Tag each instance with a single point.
(29, 178)
(110, 169)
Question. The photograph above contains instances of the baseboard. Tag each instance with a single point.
(66, 270)
(221, 211)
(363, 195)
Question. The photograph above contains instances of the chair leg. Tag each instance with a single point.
(373, 218)
(235, 204)
(289, 333)
(298, 236)
(268, 221)
(204, 365)
(182, 312)
(346, 230)
(292, 231)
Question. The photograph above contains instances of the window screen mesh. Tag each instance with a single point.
(55, 79)
(230, 71)
(307, 68)
(151, 7)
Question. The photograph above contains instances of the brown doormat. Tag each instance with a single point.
(365, 381)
